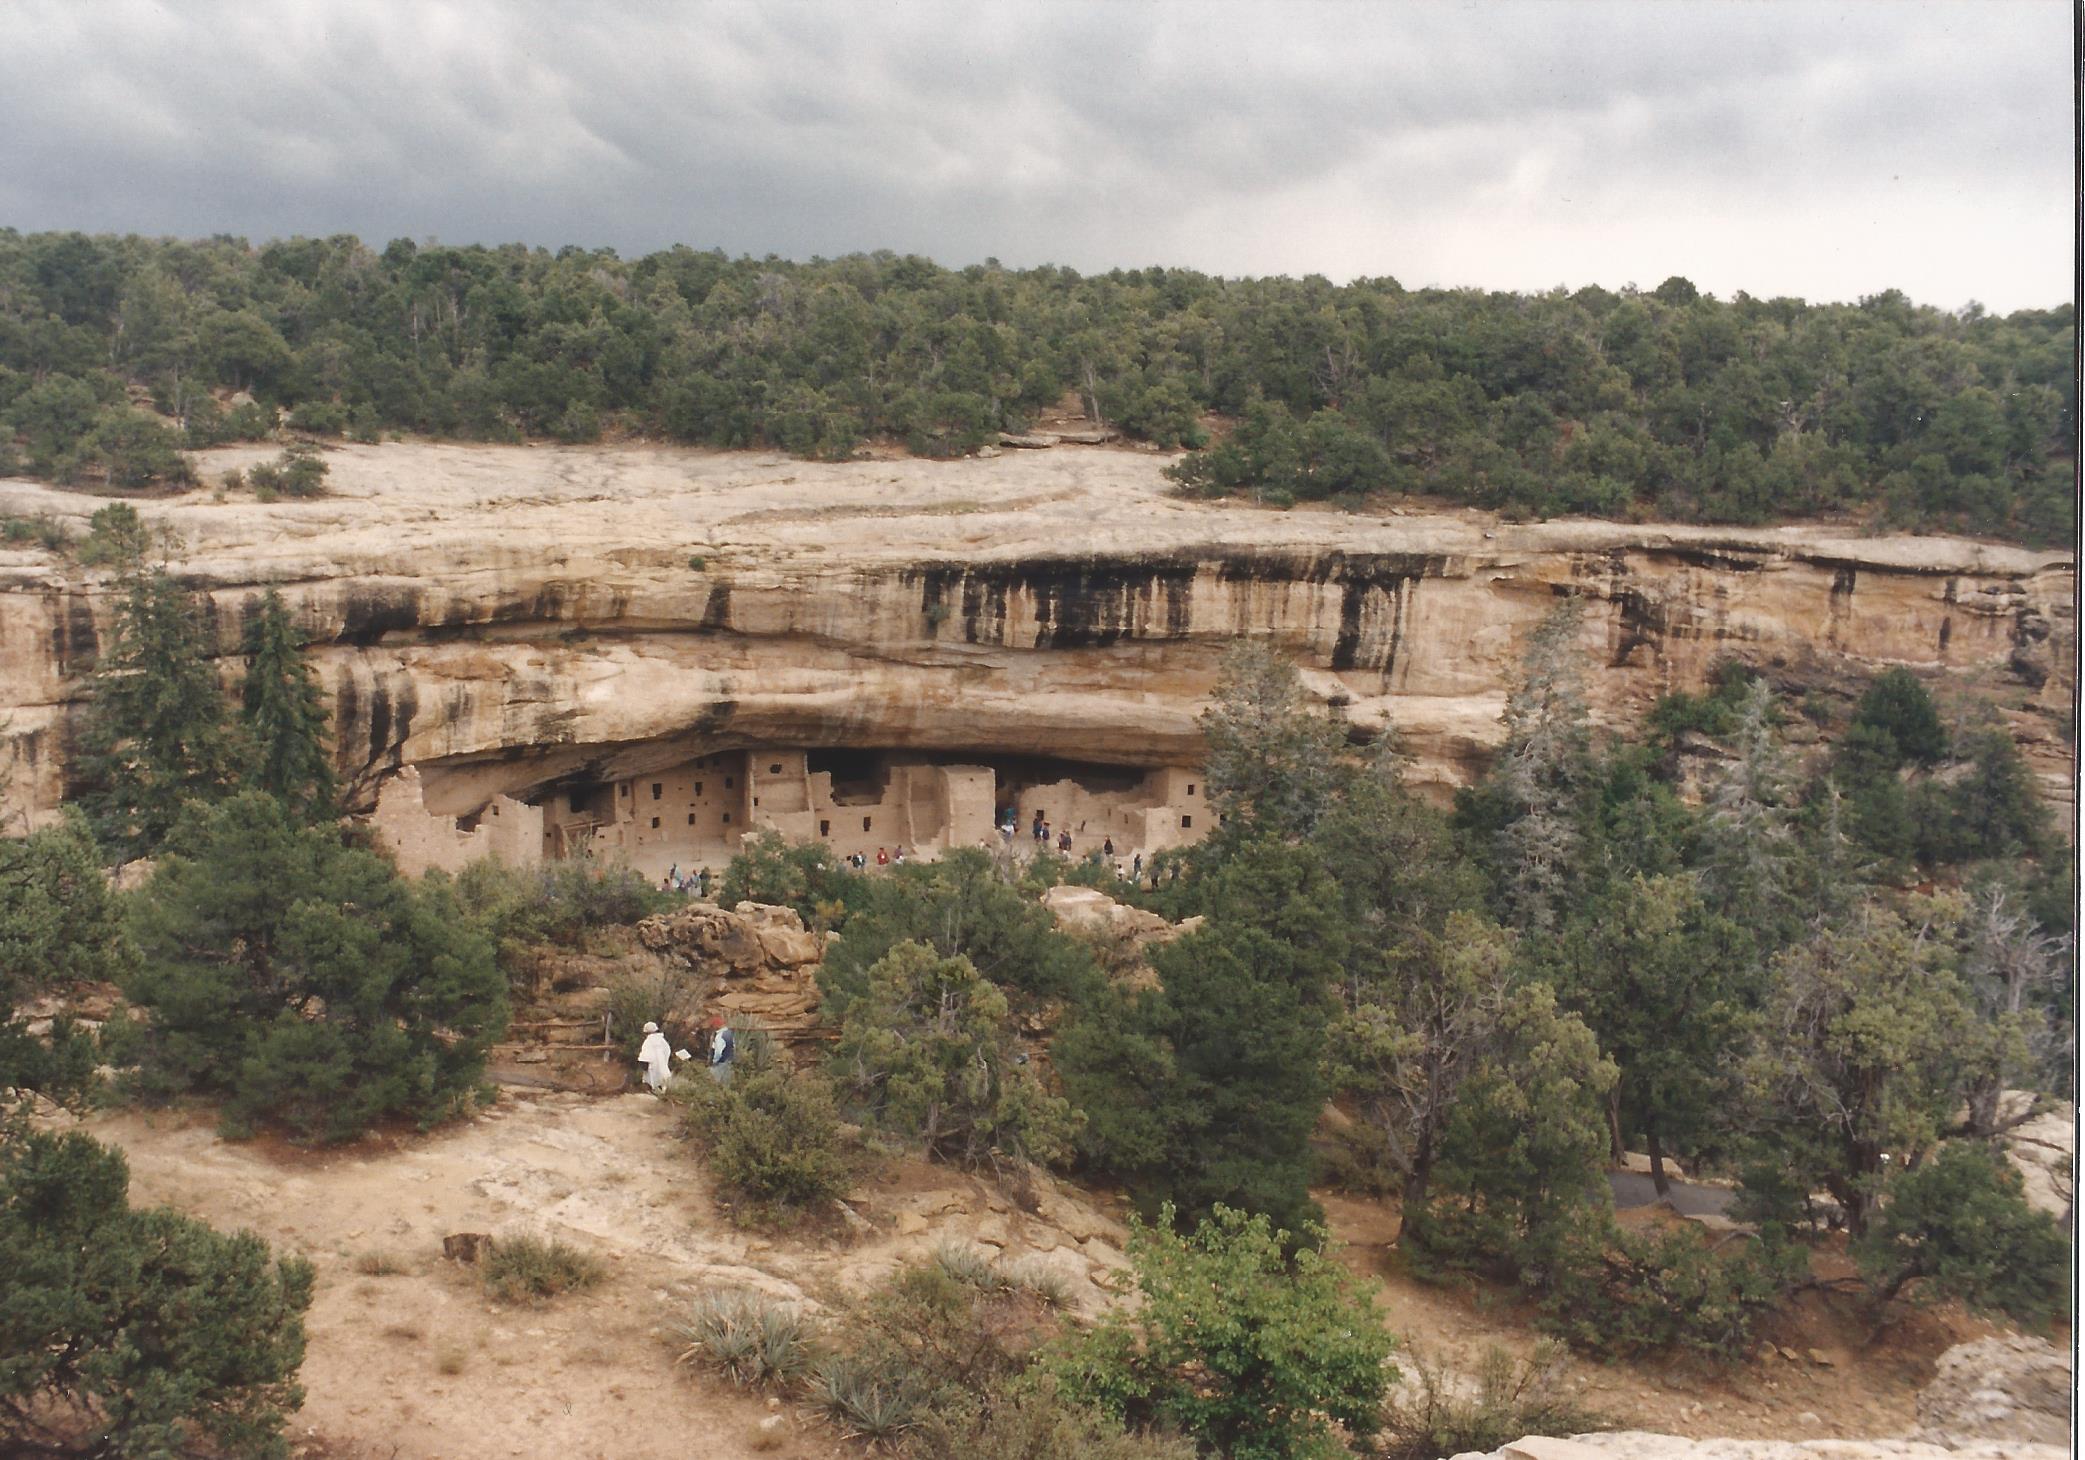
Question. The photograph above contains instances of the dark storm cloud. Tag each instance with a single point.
(1826, 150)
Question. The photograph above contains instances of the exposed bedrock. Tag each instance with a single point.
(527, 627)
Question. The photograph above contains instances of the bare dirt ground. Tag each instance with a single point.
(419, 1364)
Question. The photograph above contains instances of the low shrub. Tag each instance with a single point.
(771, 1137)
(1032, 1419)
(749, 1339)
(1434, 1415)
(298, 472)
(560, 902)
(529, 1269)
(44, 532)
(1244, 1347)
(1624, 1294)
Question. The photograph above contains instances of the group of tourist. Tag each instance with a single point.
(859, 861)
(696, 885)
(657, 1055)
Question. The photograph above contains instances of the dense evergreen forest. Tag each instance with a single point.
(1670, 403)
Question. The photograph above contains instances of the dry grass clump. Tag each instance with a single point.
(379, 1262)
(531, 1269)
(1437, 1415)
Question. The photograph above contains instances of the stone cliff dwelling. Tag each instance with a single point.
(695, 814)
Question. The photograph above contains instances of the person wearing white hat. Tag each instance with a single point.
(657, 1058)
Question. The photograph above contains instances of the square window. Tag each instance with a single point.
(1187, 823)
(727, 818)
(655, 823)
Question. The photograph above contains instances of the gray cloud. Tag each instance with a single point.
(1827, 150)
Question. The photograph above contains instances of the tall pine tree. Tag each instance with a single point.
(283, 715)
(156, 737)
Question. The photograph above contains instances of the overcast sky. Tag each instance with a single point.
(1775, 146)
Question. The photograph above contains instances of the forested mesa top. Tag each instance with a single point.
(1669, 403)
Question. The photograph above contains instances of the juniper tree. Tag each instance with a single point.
(1859, 1063)
(1663, 981)
(284, 718)
(134, 1334)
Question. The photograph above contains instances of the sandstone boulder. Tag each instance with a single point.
(2004, 1390)
(1089, 910)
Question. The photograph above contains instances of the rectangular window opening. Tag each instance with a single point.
(655, 823)
(775, 769)
(865, 823)
(657, 790)
(825, 828)
(1187, 823)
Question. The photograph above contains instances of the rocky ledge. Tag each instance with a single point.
(507, 618)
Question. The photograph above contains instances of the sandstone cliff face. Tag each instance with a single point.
(504, 618)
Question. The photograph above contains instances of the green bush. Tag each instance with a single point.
(1958, 1226)
(298, 472)
(59, 1067)
(800, 875)
(135, 1334)
(530, 1269)
(1624, 1294)
(772, 1138)
(960, 907)
(45, 532)
(1253, 1354)
(304, 981)
(927, 1053)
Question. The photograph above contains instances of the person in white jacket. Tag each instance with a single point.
(657, 1058)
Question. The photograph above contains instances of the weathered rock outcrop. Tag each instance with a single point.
(2004, 1398)
(2004, 1390)
(759, 961)
(506, 618)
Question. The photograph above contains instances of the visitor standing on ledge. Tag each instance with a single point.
(723, 1048)
(657, 1058)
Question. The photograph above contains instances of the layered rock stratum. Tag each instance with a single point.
(507, 618)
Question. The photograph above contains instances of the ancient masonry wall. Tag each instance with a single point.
(695, 814)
